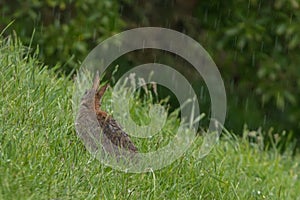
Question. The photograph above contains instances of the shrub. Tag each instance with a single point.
(256, 45)
(65, 31)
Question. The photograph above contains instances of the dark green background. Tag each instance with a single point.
(255, 44)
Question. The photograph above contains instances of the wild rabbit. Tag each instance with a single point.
(97, 128)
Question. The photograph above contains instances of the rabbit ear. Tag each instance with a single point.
(96, 81)
(98, 97)
(102, 90)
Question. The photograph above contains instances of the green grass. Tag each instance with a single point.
(41, 156)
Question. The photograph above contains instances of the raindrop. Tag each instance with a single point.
(262, 46)
(259, 5)
(253, 59)
(249, 5)
(205, 16)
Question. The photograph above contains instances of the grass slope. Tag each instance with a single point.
(42, 158)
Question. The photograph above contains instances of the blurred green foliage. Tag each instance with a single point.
(64, 30)
(255, 44)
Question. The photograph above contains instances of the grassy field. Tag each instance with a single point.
(41, 156)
